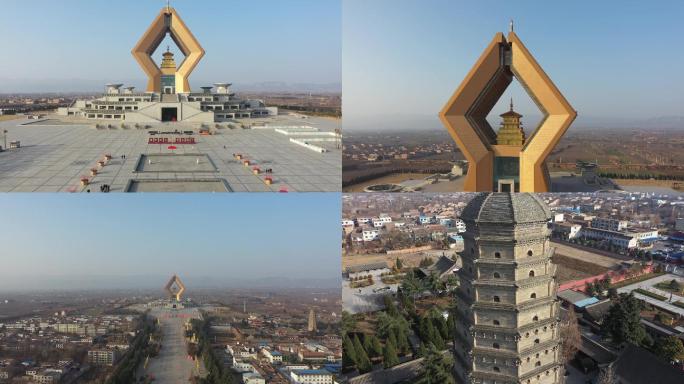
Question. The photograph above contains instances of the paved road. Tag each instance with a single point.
(172, 366)
(649, 286)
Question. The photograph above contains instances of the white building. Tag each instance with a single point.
(47, 377)
(273, 357)
(609, 224)
(242, 366)
(643, 237)
(364, 220)
(370, 235)
(618, 239)
(426, 219)
(460, 225)
(364, 270)
(347, 222)
(136, 107)
(379, 222)
(311, 376)
(106, 357)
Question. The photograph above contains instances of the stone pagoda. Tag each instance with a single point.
(506, 306)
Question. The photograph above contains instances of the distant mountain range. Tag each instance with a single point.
(24, 283)
(83, 85)
(418, 123)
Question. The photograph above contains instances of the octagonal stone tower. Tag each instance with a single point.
(507, 311)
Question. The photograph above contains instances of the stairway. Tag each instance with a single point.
(169, 98)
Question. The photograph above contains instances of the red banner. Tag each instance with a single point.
(175, 141)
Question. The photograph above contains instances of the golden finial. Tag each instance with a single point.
(511, 25)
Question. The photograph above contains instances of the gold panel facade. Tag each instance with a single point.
(169, 22)
(180, 288)
(465, 115)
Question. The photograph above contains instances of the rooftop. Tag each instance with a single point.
(638, 366)
(511, 208)
(366, 267)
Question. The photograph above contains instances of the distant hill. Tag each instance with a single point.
(83, 85)
(421, 123)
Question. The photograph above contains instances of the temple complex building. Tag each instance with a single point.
(168, 97)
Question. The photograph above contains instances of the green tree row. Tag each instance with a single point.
(216, 373)
(125, 371)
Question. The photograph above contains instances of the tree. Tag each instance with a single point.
(434, 284)
(348, 322)
(436, 367)
(669, 348)
(422, 351)
(368, 345)
(386, 324)
(398, 264)
(623, 321)
(674, 285)
(403, 346)
(375, 349)
(348, 352)
(363, 363)
(612, 293)
(390, 357)
(426, 262)
(607, 376)
(590, 289)
(411, 286)
(570, 335)
(390, 308)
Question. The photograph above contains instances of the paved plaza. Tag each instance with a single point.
(649, 285)
(172, 365)
(54, 157)
(366, 299)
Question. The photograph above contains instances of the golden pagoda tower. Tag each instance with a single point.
(511, 132)
(168, 65)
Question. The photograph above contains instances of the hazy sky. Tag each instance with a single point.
(217, 237)
(75, 43)
(609, 58)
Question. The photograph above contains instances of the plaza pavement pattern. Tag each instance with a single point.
(172, 365)
(54, 158)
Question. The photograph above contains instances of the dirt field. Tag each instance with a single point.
(587, 256)
(570, 269)
(11, 117)
(409, 260)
